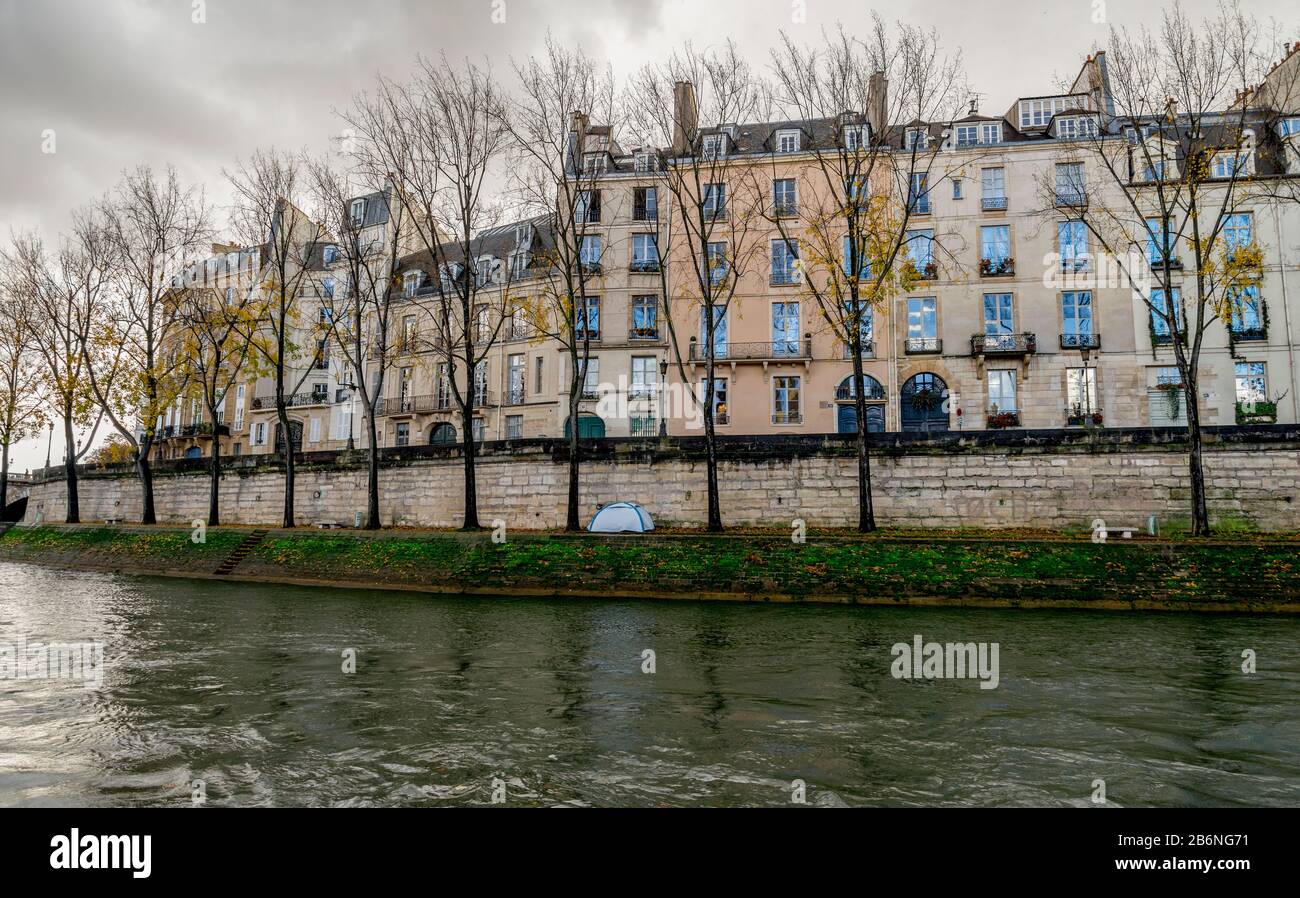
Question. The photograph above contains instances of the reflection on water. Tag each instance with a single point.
(241, 687)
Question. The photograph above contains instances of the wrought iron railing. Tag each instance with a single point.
(781, 349)
(1003, 344)
(919, 345)
(1081, 341)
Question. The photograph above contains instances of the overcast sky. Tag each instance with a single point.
(200, 83)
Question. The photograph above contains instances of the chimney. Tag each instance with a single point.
(877, 104)
(685, 117)
(577, 140)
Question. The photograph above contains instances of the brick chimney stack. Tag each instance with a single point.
(686, 117)
(878, 104)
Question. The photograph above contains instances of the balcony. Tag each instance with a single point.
(868, 350)
(1157, 262)
(924, 271)
(1003, 344)
(1242, 334)
(644, 427)
(781, 350)
(1081, 341)
(919, 205)
(923, 345)
(787, 418)
(203, 430)
(297, 399)
(1078, 416)
(644, 266)
(713, 213)
(786, 210)
(993, 268)
(784, 277)
(1003, 419)
(1072, 199)
(993, 203)
(643, 333)
(514, 396)
(412, 405)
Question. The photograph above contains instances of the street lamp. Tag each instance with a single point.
(48, 446)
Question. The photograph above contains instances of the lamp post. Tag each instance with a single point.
(48, 446)
(663, 385)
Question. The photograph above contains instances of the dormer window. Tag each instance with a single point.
(483, 271)
(357, 212)
(787, 141)
(331, 254)
(1230, 164)
(593, 163)
(715, 146)
(914, 138)
(1076, 127)
(410, 283)
(856, 137)
(645, 162)
(1288, 127)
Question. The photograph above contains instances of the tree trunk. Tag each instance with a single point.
(214, 484)
(372, 483)
(145, 470)
(1195, 470)
(866, 508)
(70, 471)
(283, 416)
(571, 513)
(471, 489)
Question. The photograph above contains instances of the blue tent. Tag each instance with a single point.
(620, 517)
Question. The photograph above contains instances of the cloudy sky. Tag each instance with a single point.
(200, 83)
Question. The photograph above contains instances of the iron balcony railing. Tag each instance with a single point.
(845, 393)
(920, 345)
(644, 427)
(1081, 341)
(267, 402)
(785, 277)
(644, 266)
(1071, 198)
(994, 203)
(868, 349)
(781, 349)
(787, 418)
(1003, 344)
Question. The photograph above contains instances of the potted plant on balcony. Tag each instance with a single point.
(1173, 394)
(1000, 420)
(997, 267)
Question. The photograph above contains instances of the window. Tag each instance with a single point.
(717, 262)
(643, 376)
(971, 134)
(590, 376)
(1153, 171)
(442, 386)
(1076, 127)
(715, 200)
(518, 325)
(1080, 393)
(1160, 243)
(856, 137)
(515, 379)
(1246, 322)
(230, 296)
(991, 132)
(1250, 383)
(405, 378)
(783, 197)
(590, 252)
(865, 322)
(715, 146)
(918, 193)
(995, 249)
(483, 271)
(967, 135)
(956, 188)
(787, 141)
(514, 427)
(327, 287)
(645, 204)
(1236, 231)
(645, 162)
(313, 431)
(914, 139)
(645, 318)
(1076, 318)
(478, 430)
(999, 315)
(538, 371)
(922, 318)
(593, 163)
(720, 414)
(358, 212)
(785, 328)
(259, 434)
(993, 189)
(785, 400)
(719, 331)
(863, 259)
(588, 327)
(920, 251)
(586, 207)
(1002, 392)
(1038, 112)
(785, 259)
(645, 253)
(239, 407)
(410, 282)
(1069, 184)
(1161, 310)
(1072, 239)
(1230, 165)
(331, 254)
(481, 383)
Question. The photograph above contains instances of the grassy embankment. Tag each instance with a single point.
(1241, 574)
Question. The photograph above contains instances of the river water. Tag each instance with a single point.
(454, 700)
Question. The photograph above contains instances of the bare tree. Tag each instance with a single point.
(155, 225)
(269, 193)
(849, 221)
(22, 405)
(66, 290)
(1161, 179)
(441, 136)
(711, 237)
(360, 316)
(215, 350)
(556, 176)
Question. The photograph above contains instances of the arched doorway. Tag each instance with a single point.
(295, 435)
(924, 403)
(442, 434)
(194, 452)
(590, 427)
(847, 415)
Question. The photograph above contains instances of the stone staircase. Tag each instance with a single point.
(240, 552)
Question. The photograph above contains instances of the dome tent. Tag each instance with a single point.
(619, 517)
